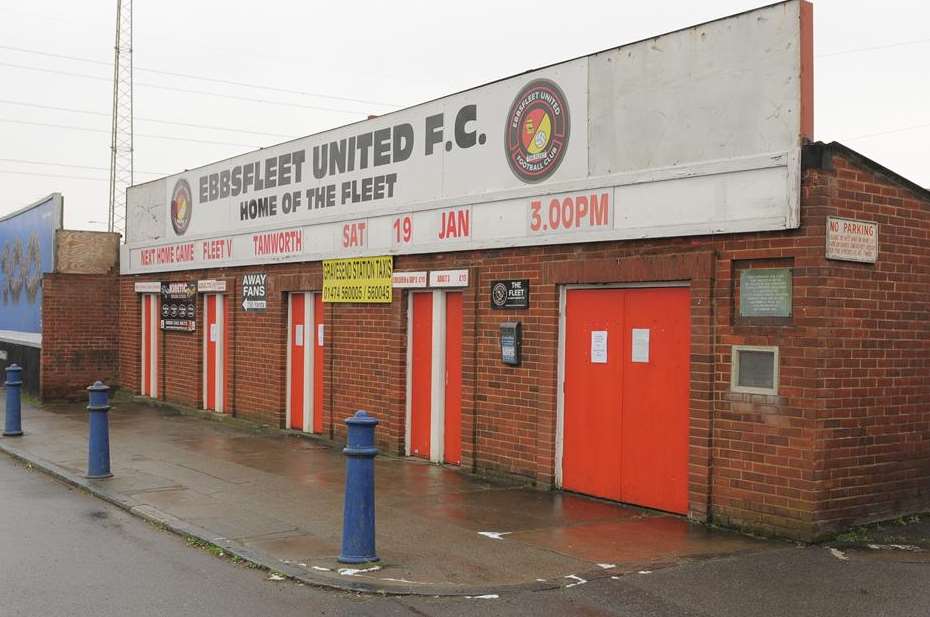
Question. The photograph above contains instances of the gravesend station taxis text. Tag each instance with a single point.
(368, 150)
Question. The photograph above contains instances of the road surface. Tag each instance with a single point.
(67, 554)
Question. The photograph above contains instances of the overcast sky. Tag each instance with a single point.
(872, 75)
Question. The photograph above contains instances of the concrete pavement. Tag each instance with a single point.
(68, 554)
(276, 499)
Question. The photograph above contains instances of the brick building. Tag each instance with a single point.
(731, 329)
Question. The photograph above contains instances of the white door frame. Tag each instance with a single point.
(220, 352)
(560, 387)
(309, 345)
(438, 377)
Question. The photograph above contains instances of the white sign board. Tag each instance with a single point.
(851, 240)
(147, 287)
(211, 285)
(599, 346)
(640, 346)
(406, 280)
(693, 132)
(448, 278)
(299, 335)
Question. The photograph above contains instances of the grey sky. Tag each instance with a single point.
(400, 53)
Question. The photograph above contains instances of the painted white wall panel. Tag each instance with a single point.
(693, 132)
(726, 89)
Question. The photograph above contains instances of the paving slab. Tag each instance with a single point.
(276, 499)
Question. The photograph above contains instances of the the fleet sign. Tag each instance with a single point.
(364, 279)
(676, 135)
(510, 294)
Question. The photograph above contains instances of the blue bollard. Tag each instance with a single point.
(98, 457)
(358, 521)
(13, 423)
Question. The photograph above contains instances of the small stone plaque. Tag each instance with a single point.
(765, 292)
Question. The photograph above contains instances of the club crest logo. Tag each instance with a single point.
(182, 206)
(538, 127)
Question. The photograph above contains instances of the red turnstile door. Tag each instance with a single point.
(148, 385)
(214, 350)
(436, 376)
(297, 336)
(305, 362)
(422, 374)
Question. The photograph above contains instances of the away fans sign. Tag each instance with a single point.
(255, 292)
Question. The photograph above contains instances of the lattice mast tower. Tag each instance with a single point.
(121, 139)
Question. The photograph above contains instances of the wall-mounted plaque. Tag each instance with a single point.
(512, 294)
(851, 240)
(765, 292)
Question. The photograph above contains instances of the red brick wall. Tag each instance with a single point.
(845, 440)
(873, 434)
(79, 338)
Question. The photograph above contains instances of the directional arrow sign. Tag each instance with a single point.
(255, 291)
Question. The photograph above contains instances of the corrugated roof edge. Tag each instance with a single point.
(816, 155)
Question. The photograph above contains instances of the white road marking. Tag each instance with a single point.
(355, 571)
(580, 581)
(494, 535)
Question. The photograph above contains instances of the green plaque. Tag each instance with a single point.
(765, 292)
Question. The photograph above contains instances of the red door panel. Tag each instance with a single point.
(211, 351)
(318, 350)
(422, 359)
(297, 361)
(452, 444)
(654, 439)
(591, 427)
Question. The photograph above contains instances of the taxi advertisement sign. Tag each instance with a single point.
(360, 279)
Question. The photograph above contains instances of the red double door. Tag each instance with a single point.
(434, 428)
(305, 347)
(215, 352)
(626, 393)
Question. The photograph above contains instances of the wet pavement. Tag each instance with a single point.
(276, 499)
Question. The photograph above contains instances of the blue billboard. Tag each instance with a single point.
(27, 251)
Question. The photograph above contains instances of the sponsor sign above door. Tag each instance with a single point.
(360, 280)
(179, 306)
(674, 135)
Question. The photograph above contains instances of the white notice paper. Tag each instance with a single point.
(640, 344)
(213, 333)
(299, 335)
(319, 335)
(599, 346)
